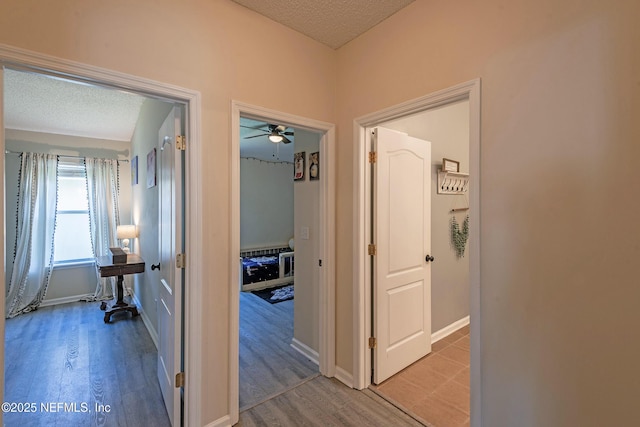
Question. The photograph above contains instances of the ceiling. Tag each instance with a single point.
(41, 103)
(331, 22)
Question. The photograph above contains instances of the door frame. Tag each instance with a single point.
(326, 350)
(362, 225)
(21, 59)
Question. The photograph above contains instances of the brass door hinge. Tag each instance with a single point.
(180, 261)
(373, 156)
(372, 249)
(373, 342)
(180, 379)
(181, 142)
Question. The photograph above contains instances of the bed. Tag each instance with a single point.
(266, 268)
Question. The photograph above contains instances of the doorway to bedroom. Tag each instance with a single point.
(300, 151)
(279, 249)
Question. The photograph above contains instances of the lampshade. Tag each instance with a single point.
(127, 232)
(275, 138)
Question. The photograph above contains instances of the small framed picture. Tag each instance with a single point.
(314, 166)
(449, 165)
(298, 166)
(151, 168)
(134, 170)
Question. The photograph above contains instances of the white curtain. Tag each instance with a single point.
(102, 190)
(35, 226)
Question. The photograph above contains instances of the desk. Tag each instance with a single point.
(106, 268)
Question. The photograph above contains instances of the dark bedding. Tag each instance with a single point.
(259, 269)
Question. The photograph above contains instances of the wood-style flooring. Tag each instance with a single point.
(326, 402)
(268, 363)
(79, 371)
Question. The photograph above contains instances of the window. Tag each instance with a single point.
(72, 241)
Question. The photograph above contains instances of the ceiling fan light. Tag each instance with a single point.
(275, 138)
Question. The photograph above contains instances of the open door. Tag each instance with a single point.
(170, 185)
(402, 236)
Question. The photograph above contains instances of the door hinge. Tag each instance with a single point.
(373, 342)
(180, 261)
(372, 249)
(373, 156)
(181, 142)
(180, 379)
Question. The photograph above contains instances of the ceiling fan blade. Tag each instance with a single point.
(256, 136)
(285, 140)
(287, 133)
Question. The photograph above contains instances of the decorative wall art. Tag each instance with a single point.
(134, 170)
(151, 168)
(314, 166)
(449, 165)
(298, 166)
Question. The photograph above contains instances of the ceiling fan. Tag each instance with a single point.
(276, 134)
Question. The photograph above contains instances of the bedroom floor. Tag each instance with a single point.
(67, 354)
(435, 389)
(268, 363)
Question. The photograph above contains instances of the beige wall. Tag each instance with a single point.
(212, 46)
(307, 214)
(560, 102)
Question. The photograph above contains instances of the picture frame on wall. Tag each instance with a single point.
(134, 170)
(449, 165)
(314, 166)
(298, 166)
(151, 168)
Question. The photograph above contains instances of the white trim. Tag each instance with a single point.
(145, 318)
(361, 299)
(344, 377)
(448, 330)
(305, 350)
(63, 300)
(327, 250)
(46, 64)
(221, 422)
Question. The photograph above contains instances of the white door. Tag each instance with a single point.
(402, 234)
(170, 196)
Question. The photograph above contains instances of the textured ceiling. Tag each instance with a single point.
(331, 22)
(40, 103)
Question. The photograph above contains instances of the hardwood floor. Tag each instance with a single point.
(79, 371)
(326, 402)
(268, 363)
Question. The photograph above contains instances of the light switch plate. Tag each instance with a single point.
(304, 233)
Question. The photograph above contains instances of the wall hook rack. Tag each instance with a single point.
(453, 182)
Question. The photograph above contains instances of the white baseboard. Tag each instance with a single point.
(448, 330)
(64, 300)
(306, 351)
(221, 422)
(145, 318)
(344, 377)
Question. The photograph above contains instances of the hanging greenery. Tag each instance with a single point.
(459, 237)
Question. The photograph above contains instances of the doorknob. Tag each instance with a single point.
(429, 258)
(155, 266)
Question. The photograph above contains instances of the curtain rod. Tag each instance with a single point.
(64, 155)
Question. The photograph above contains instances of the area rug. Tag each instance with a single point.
(277, 294)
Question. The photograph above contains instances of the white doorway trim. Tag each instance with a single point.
(327, 241)
(361, 276)
(12, 57)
